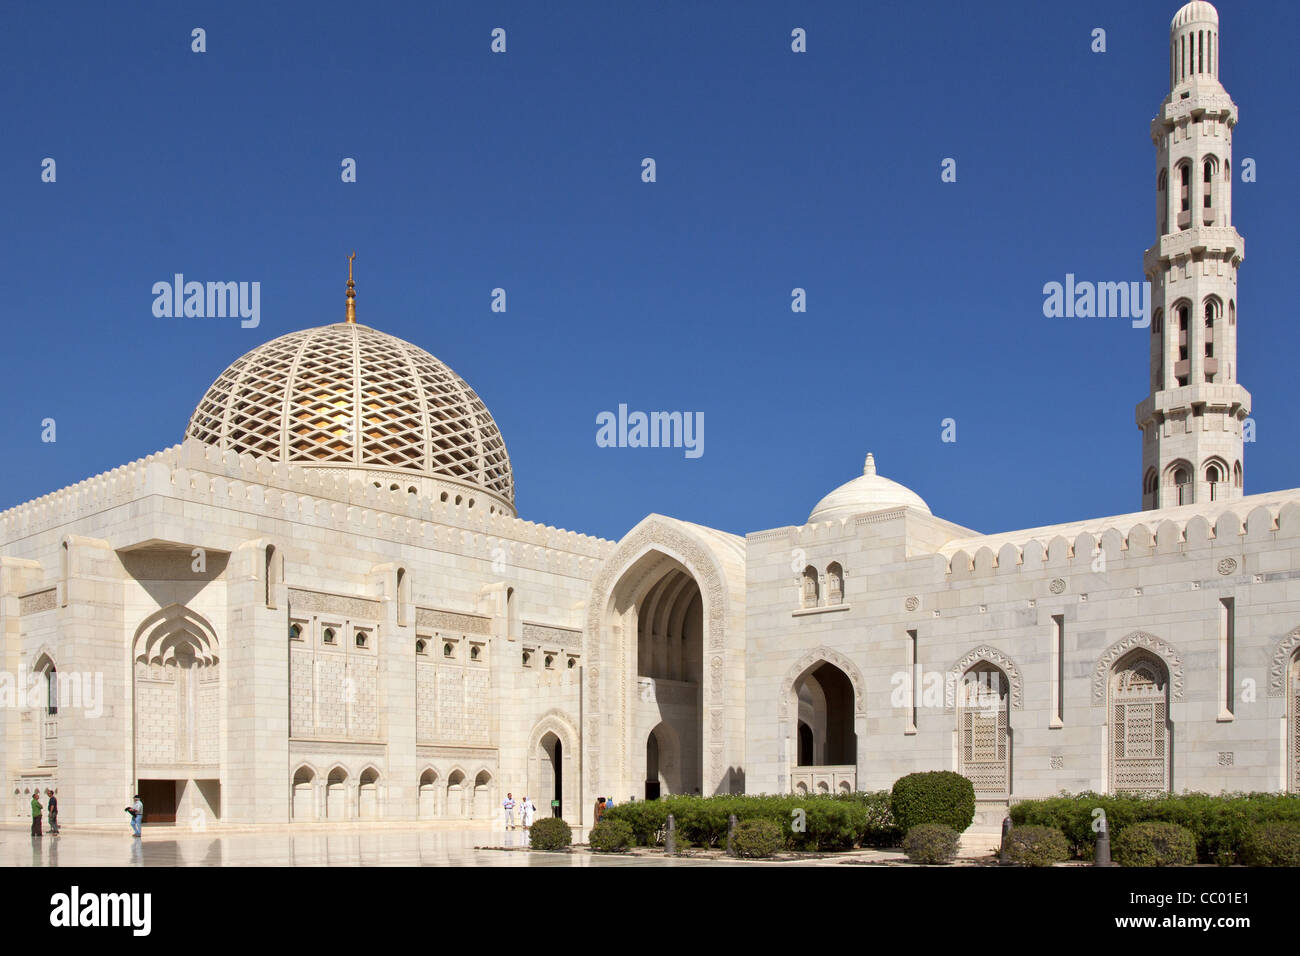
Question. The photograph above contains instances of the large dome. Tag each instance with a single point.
(870, 492)
(352, 399)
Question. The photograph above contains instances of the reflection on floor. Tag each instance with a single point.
(170, 847)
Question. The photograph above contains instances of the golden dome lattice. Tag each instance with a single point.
(350, 396)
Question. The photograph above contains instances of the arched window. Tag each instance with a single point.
(811, 593)
(270, 575)
(1215, 474)
(1180, 478)
(1185, 187)
(421, 646)
(52, 690)
(834, 583)
(1139, 725)
(361, 639)
(328, 636)
(403, 595)
(983, 729)
(1162, 180)
(1236, 474)
(1151, 486)
(295, 632)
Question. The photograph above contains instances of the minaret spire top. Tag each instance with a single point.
(352, 292)
(869, 466)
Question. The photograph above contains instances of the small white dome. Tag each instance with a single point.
(1198, 11)
(862, 495)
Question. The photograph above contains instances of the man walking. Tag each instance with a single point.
(508, 807)
(52, 808)
(137, 814)
(36, 813)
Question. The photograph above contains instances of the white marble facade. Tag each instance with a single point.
(321, 606)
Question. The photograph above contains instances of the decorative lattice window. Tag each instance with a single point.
(985, 735)
(1295, 724)
(1139, 726)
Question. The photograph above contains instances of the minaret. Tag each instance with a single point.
(1192, 420)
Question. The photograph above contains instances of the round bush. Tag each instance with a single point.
(936, 796)
(1155, 844)
(610, 836)
(549, 833)
(931, 843)
(1271, 844)
(1037, 846)
(757, 838)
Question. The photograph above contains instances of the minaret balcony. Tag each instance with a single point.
(1205, 240)
(1228, 399)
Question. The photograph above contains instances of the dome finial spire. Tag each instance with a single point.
(352, 292)
(870, 467)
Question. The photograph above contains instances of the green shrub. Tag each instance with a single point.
(1271, 844)
(936, 796)
(1037, 846)
(1155, 844)
(757, 838)
(1218, 822)
(610, 836)
(549, 833)
(931, 843)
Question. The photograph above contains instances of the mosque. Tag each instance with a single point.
(322, 605)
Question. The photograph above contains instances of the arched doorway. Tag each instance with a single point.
(368, 794)
(984, 730)
(663, 770)
(336, 794)
(456, 794)
(550, 793)
(821, 710)
(304, 794)
(1141, 736)
(428, 794)
(482, 801)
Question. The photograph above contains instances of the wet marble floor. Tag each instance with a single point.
(377, 847)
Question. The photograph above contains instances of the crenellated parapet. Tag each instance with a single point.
(1236, 523)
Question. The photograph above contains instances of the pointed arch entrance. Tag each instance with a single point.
(822, 717)
(554, 767)
(666, 629)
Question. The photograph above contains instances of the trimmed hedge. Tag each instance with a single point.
(935, 796)
(1032, 845)
(838, 822)
(755, 839)
(550, 833)
(931, 843)
(1218, 822)
(610, 836)
(1155, 844)
(1271, 844)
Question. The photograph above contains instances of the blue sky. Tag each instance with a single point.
(522, 171)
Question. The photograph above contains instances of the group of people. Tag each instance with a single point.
(602, 804)
(51, 807)
(527, 811)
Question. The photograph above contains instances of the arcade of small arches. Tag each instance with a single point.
(1175, 349)
(1178, 484)
(1183, 195)
(817, 590)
